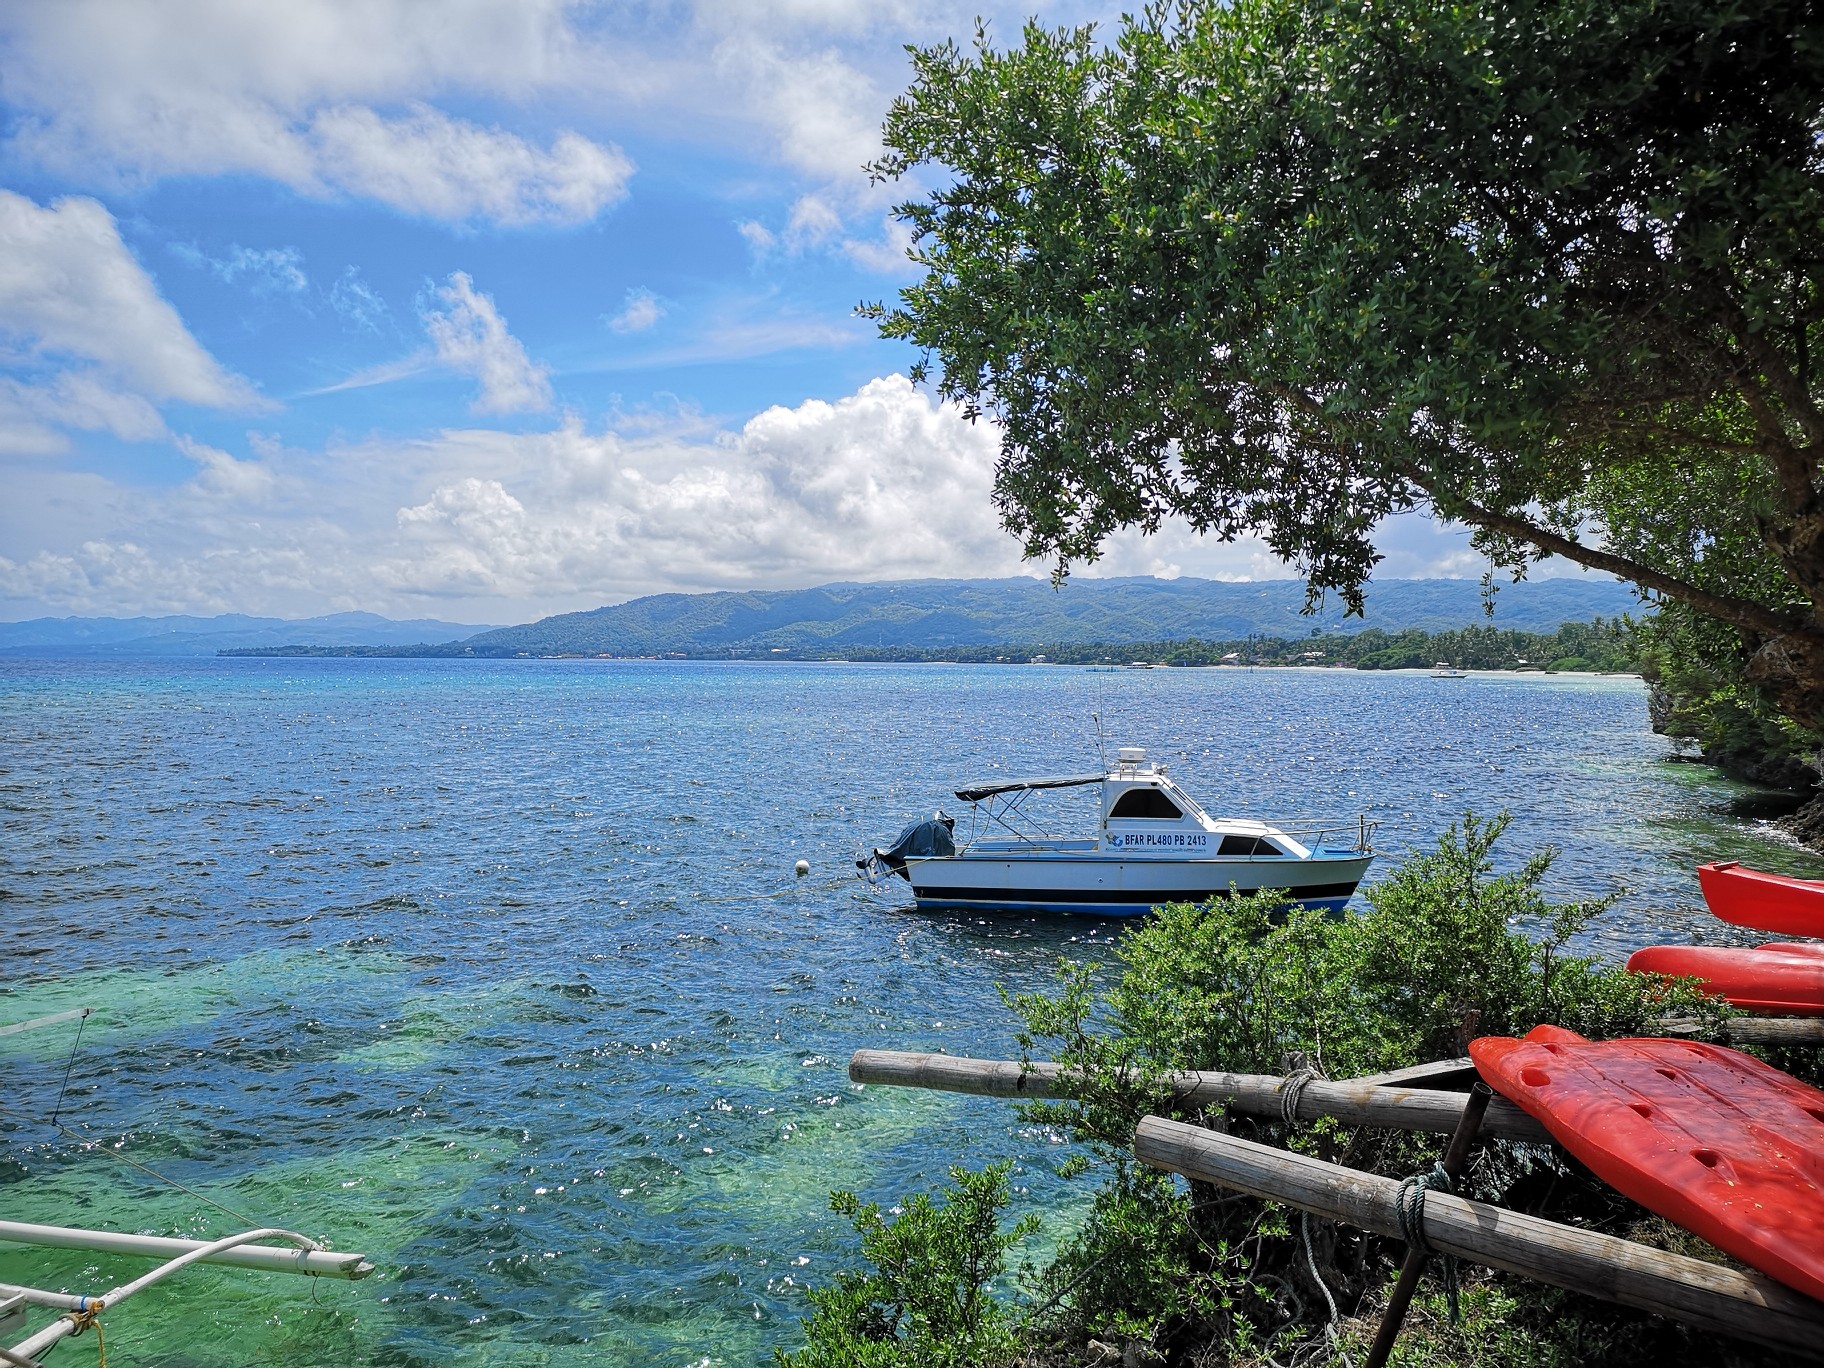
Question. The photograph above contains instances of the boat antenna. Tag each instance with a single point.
(1101, 747)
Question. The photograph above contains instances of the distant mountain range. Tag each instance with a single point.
(207, 636)
(1023, 612)
(837, 618)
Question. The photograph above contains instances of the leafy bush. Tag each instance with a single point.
(927, 1304)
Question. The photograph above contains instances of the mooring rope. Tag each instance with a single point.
(1409, 1210)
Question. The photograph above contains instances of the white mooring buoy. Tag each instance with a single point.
(802, 868)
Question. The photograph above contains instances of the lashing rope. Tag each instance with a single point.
(1292, 1090)
(1409, 1210)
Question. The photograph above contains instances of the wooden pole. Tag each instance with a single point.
(1353, 1103)
(1456, 1157)
(1440, 1073)
(1747, 1305)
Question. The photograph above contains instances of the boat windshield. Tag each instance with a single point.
(1147, 803)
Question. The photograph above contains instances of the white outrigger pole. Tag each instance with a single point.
(79, 1312)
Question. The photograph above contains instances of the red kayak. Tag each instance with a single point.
(1720, 1143)
(1785, 977)
(1767, 902)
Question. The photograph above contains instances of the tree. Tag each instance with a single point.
(1286, 267)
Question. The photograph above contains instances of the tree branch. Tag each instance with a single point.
(1743, 613)
(1682, 436)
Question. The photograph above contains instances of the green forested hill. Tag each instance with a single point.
(940, 614)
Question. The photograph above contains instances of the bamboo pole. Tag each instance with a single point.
(1747, 1305)
(1353, 1103)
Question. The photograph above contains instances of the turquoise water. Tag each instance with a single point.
(498, 972)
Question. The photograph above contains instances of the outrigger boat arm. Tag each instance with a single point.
(305, 1256)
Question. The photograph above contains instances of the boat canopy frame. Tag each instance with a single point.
(1003, 804)
(975, 793)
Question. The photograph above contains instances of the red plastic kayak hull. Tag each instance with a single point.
(1766, 902)
(1720, 1143)
(1782, 978)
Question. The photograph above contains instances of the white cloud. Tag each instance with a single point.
(35, 417)
(116, 89)
(357, 304)
(69, 288)
(334, 97)
(823, 113)
(488, 525)
(430, 164)
(884, 483)
(267, 270)
(642, 311)
(471, 337)
(758, 236)
(219, 474)
(886, 254)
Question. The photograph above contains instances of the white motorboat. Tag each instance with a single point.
(1155, 845)
(1445, 670)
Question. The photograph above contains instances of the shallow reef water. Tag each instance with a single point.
(498, 970)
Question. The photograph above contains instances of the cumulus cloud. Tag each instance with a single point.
(430, 164)
(640, 312)
(330, 97)
(70, 288)
(325, 97)
(470, 336)
(884, 483)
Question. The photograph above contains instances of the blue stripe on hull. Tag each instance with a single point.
(1328, 898)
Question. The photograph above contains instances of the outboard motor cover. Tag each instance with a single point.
(932, 836)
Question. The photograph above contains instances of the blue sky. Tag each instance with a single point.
(477, 309)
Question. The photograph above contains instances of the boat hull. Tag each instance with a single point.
(1765, 902)
(1781, 978)
(1108, 887)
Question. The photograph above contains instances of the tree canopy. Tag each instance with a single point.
(1286, 267)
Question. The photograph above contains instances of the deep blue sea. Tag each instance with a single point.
(499, 972)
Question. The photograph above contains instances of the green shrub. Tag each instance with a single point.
(927, 1304)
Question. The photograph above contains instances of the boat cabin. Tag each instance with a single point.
(1143, 812)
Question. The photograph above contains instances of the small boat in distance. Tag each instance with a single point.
(1155, 844)
(1445, 670)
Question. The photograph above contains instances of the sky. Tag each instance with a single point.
(481, 310)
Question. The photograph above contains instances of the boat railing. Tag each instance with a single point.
(1314, 834)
